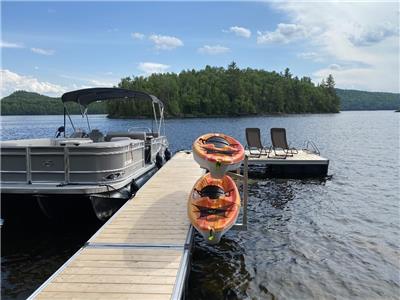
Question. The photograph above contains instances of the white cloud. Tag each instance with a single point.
(361, 37)
(356, 78)
(310, 56)
(43, 51)
(369, 36)
(137, 35)
(4, 44)
(92, 81)
(335, 67)
(165, 42)
(11, 82)
(103, 83)
(240, 31)
(213, 50)
(149, 68)
(284, 33)
(75, 86)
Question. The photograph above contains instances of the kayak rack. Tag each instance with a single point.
(242, 179)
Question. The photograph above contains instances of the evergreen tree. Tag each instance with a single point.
(212, 91)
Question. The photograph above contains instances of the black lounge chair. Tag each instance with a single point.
(253, 137)
(279, 141)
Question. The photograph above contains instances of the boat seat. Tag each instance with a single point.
(96, 136)
(119, 138)
(131, 135)
(151, 135)
(73, 142)
(78, 133)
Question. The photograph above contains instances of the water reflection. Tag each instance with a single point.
(34, 247)
(219, 271)
(261, 260)
(335, 239)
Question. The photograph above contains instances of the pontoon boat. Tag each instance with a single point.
(105, 168)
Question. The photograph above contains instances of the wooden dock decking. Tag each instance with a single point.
(302, 157)
(143, 251)
(302, 164)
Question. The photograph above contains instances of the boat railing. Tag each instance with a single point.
(140, 129)
(51, 165)
(313, 148)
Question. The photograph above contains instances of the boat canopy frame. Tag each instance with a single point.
(84, 97)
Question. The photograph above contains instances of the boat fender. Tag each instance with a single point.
(167, 154)
(134, 187)
(159, 161)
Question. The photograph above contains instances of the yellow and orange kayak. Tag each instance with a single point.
(218, 153)
(213, 206)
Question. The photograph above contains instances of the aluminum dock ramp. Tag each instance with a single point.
(143, 251)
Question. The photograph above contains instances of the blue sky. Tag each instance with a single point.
(53, 47)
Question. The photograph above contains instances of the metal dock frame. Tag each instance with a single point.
(143, 251)
(243, 179)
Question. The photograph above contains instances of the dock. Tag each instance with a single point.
(302, 164)
(143, 251)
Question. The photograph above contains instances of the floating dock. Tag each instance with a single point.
(302, 164)
(143, 251)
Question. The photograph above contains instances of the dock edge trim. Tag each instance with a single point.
(54, 275)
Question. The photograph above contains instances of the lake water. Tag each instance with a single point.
(333, 239)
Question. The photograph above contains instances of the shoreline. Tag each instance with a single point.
(209, 116)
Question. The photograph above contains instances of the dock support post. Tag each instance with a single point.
(245, 190)
(244, 182)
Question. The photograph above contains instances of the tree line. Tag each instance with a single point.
(216, 91)
(28, 103)
(361, 100)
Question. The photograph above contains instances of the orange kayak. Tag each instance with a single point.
(213, 206)
(218, 153)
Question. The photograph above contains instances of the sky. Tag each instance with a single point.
(54, 47)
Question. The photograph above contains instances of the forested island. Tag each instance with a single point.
(216, 91)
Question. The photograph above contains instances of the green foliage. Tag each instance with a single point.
(27, 103)
(361, 100)
(215, 91)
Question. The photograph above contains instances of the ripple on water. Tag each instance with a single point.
(334, 239)
(298, 246)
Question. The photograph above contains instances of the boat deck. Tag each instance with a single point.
(302, 164)
(302, 157)
(143, 251)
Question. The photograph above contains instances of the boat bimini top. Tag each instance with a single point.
(86, 96)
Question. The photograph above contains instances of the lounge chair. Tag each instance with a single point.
(279, 141)
(253, 137)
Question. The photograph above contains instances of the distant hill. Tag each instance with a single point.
(361, 100)
(28, 103)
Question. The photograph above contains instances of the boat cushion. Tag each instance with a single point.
(132, 135)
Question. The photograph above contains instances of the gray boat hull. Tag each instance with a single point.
(69, 175)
